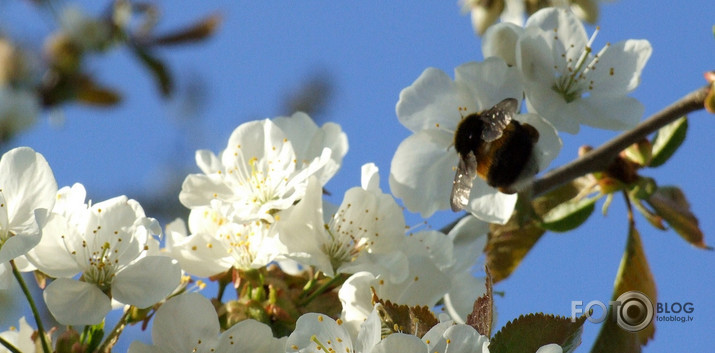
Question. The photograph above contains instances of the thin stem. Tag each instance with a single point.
(9, 346)
(116, 331)
(337, 280)
(33, 307)
(599, 158)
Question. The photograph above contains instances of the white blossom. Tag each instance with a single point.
(108, 244)
(569, 83)
(188, 323)
(365, 234)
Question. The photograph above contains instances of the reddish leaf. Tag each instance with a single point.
(482, 314)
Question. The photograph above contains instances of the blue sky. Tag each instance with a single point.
(371, 50)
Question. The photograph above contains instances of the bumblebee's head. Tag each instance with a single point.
(468, 136)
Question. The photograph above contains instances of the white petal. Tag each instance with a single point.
(183, 321)
(550, 348)
(553, 107)
(463, 339)
(370, 179)
(425, 285)
(369, 334)
(27, 183)
(308, 141)
(6, 277)
(199, 190)
(50, 255)
(356, 299)
(422, 171)
(488, 83)
(249, 336)
(400, 342)
(76, 303)
(20, 243)
(436, 245)
(392, 265)
(301, 229)
(500, 40)
(201, 254)
(618, 70)
(147, 281)
(612, 113)
(208, 162)
(325, 330)
(534, 57)
(432, 99)
(488, 205)
(469, 237)
(568, 30)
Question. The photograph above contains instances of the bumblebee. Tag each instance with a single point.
(497, 148)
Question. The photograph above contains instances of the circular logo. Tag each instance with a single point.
(635, 311)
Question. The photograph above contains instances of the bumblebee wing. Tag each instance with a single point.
(462, 184)
(497, 118)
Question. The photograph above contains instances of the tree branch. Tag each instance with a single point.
(601, 157)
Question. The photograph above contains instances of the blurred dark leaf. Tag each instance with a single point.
(89, 92)
(670, 203)
(530, 332)
(157, 68)
(311, 97)
(193, 33)
(667, 140)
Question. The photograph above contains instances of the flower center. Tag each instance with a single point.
(348, 236)
(573, 80)
(241, 244)
(99, 255)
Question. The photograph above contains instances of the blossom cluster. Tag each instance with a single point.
(550, 62)
(259, 203)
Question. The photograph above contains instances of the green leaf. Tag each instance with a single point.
(569, 215)
(157, 68)
(667, 140)
(633, 275)
(482, 315)
(670, 203)
(530, 332)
